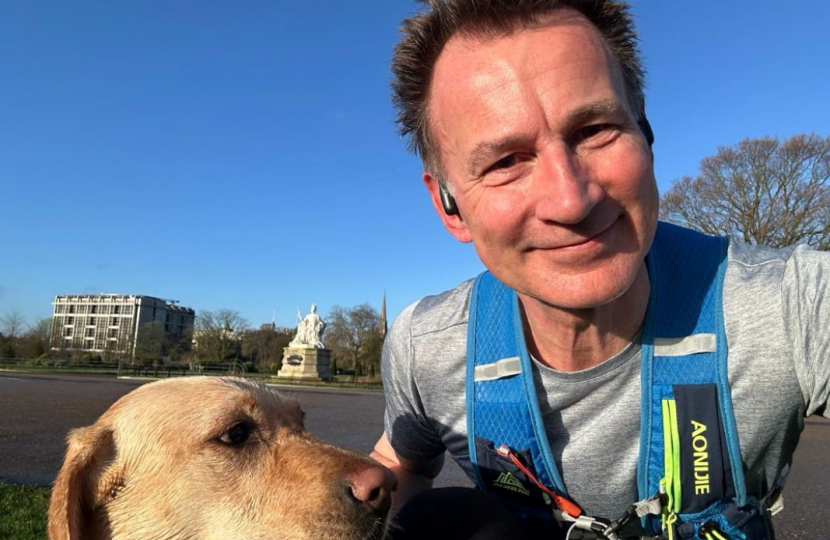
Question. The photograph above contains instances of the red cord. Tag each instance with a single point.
(564, 504)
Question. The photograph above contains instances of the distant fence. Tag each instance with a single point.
(165, 371)
(124, 368)
(227, 368)
(49, 364)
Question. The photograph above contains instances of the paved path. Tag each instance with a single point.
(37, 410)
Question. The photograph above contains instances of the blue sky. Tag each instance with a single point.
(242, 154)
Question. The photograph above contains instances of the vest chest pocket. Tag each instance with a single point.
(503, 477)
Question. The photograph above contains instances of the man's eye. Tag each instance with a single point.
(236, 434)
(505, 162)
(591, 131)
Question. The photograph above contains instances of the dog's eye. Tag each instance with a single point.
(236, 434)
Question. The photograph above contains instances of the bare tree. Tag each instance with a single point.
(41, 329)
(351, 332)
(761, 191)
(218, 334)
(264, 346)
(12, 324)
(178, 346)
(35, 341)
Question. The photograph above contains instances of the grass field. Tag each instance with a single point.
(23, 512)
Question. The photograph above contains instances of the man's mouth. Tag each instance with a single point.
(597, 236)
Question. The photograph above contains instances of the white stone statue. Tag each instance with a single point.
(309, 331)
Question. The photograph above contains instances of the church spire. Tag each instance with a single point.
(382, 325)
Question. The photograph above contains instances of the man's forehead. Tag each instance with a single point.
(478, 76)
(470, 57)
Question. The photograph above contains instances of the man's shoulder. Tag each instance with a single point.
(798, 259)
(761, 274)
(439, 312)
(748, 255)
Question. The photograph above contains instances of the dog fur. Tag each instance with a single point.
(166, 462)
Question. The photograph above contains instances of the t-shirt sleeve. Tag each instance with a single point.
(806, 291)
(406, 424)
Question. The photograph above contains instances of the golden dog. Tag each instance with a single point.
(213, 458)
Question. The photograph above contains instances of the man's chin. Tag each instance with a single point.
(588, 290)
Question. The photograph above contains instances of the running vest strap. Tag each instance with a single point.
(689, 448)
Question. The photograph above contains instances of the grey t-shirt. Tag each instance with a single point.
(777, 316)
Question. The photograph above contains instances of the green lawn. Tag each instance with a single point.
(23, 512)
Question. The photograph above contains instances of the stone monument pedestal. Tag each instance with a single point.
(306, 363)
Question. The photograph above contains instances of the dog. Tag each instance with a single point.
(204, 458)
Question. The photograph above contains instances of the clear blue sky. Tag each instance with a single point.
(242, 154)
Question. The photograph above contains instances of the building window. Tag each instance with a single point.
(116, 309)
(71, 309)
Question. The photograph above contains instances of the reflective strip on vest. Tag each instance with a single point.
(682, 346)
(506, 367)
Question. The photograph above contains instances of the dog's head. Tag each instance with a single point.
(213, 458)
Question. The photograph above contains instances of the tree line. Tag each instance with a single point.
(219, 337)
(20, 339)
(353, 335)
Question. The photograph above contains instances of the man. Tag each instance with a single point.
(529, 117)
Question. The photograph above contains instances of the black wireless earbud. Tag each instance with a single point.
(645, 127)
(447, 201)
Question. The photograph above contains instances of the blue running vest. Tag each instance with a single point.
(689, 448)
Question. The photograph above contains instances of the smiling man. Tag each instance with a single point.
(529, 117)
(552, 178)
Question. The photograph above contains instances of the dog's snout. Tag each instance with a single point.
(372, 485)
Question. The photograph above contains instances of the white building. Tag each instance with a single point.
(116, 323)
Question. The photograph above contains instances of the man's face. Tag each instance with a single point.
(552, 177)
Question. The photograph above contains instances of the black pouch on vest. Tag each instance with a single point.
(502, 477)
(705, 471)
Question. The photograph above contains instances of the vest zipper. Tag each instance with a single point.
(670, 483)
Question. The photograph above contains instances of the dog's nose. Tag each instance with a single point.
(373, 486)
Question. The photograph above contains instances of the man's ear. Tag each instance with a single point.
(454, 223)
(645, 128)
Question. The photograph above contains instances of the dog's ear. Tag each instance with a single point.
(87, 478)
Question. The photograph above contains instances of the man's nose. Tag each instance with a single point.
(563, 189)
